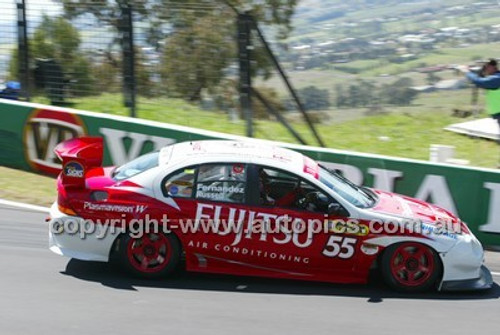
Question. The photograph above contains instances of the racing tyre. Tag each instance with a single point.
(410, 267)
(153, 255)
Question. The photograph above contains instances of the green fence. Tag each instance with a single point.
(29, 133)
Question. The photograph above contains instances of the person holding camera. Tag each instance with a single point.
(489, 79)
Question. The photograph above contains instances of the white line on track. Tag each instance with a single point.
(24, 206)
(496, 273)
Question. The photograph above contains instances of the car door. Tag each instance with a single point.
(212, 203)
(306, 247)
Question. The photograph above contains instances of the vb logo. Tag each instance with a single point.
(45, 129)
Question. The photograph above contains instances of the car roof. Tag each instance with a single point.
(198, 152)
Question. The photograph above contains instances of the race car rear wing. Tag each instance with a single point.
(78, 155)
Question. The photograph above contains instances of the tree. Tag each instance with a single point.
(226, 98)
(363, 93)
(272, 98)
(355, 95)
(314, 98)
(13, 69)
(57, 39)
(399, 92)
(369, 96)
(107, 76)
(199, 36)
(269, 12)
(340, 96)
(195, 57)
(143, 75)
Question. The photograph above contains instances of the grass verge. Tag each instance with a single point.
(400, 131)
(26, 187)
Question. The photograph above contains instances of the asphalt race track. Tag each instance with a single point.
(42, 293)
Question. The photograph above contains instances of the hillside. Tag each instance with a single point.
(333, 31)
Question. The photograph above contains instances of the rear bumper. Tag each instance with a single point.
(70, 236)
(484, 282)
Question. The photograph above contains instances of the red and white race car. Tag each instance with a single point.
(246, 208)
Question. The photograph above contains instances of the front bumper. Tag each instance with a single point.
(484, 282)
(463, 266)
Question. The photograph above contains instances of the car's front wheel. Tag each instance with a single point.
(152, 255)
(410, 267)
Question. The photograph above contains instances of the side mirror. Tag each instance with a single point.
(337, 210)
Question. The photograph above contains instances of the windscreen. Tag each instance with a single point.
(352, 193)
(138, 165)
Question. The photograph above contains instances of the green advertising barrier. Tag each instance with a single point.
(29, 133)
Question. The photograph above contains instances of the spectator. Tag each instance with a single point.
(489, 79)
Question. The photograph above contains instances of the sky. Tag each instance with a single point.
(35, 8)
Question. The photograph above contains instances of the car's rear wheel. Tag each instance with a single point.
(151, 255)
(410, 267)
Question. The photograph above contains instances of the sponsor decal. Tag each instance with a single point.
(249, 252)
(339, 246)
(349, 227)
(311, 167)
(238, 168)
(255, 225)
(74, 169)
(215, 192)
(114, 208)
(173, 190)
(44, 129)
(439, 229)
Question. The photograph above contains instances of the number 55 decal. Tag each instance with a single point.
(338, 246)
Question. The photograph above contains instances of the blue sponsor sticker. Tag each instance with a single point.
(173, 190)
(73, 169)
